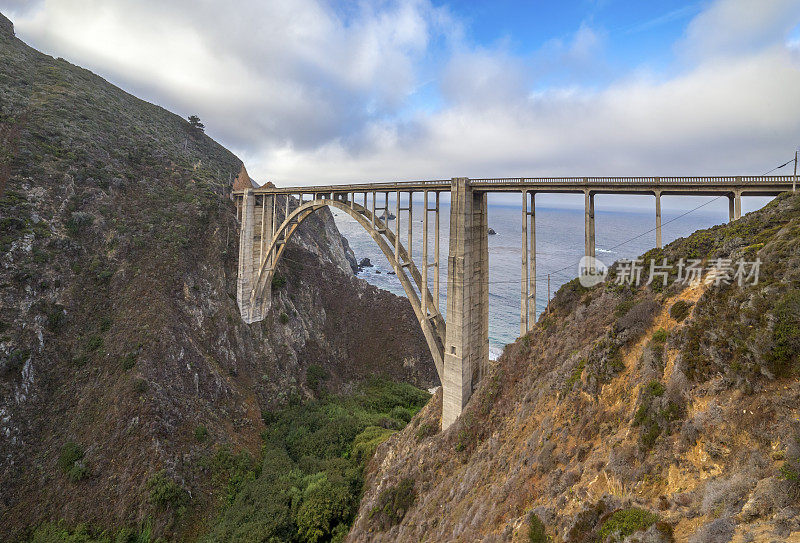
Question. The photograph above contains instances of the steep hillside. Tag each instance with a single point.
(124, 365)
(652, 413)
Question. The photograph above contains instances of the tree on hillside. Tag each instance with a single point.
(194, 122)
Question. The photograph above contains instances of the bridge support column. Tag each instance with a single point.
(467, 334)
(424, 255)
(396, 229)
(737, 205)
(658, 219)
(253, 232)
(731, 210)
(436, 257)
(532, 273)
(410, 248)
(589, 220)
(528, 284)
(523, 311)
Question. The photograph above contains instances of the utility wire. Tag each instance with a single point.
(779, 167)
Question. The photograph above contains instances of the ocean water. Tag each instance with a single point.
(621, 232)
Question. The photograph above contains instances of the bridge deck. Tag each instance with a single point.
(746, 184)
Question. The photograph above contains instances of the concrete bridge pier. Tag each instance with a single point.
(589, 226)
(658, 219)
(731, 212)
(245, 277)
(258, 215)
(528, 283)
(436, 253)
(466, 346)
(734, 205)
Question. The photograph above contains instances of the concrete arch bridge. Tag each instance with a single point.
(270, 215)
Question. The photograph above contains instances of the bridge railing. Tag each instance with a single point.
(444, 184)
(633, 180)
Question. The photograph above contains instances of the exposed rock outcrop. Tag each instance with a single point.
(6, 27)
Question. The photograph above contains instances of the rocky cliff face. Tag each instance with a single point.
(123, 361)
(658, 413)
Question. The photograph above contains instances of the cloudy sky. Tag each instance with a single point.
(313, 91)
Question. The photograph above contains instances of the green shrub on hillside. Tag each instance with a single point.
(575, 376)
(230, 472)
(567, 297)
(659, 336)
(129, 360)
(393, 504)
(623, 307)
(140, 386)
(366, 442)
(78, 223)
(278, 281)
(403, 414)
(315, 375)
(93, 343)
(626, 522)
(656, 345)
(55, 317)
(426, 429)
(655, 388)
(680, 310)
(71, 461)
(654, 414)
(166, 493)
(783, 356)
(200, 433)
(60, 533)
(536, 530)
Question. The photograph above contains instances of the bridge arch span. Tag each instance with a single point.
(431, 321)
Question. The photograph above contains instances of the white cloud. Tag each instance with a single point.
(732, 27)
(306, 93)
(298, 72)
(733, 118)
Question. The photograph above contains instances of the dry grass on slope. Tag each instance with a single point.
(624, 403)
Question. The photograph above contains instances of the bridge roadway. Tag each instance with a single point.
(704, 186)
(269, 216)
